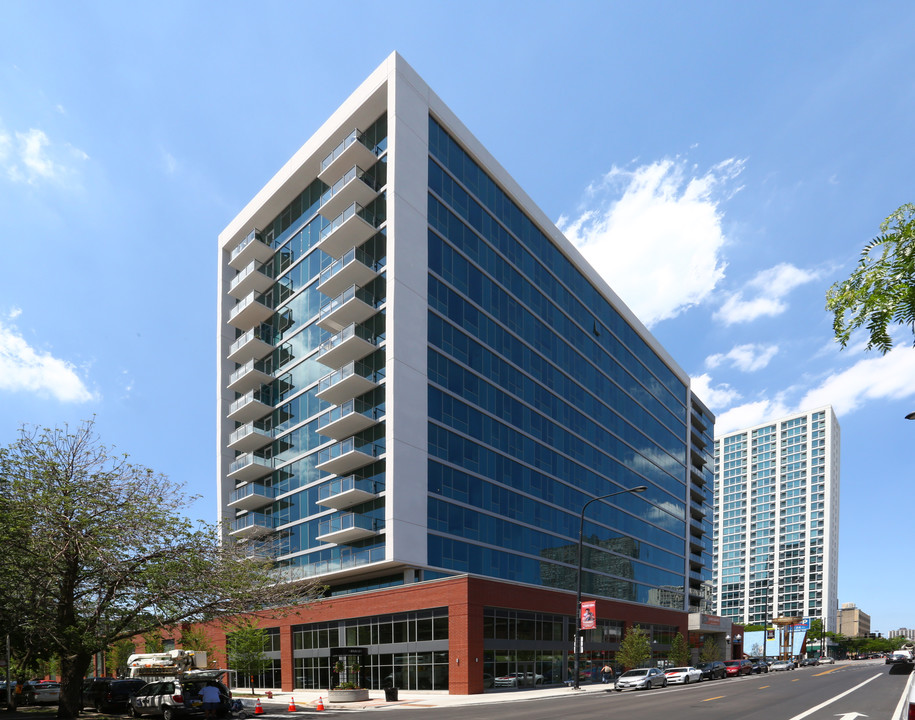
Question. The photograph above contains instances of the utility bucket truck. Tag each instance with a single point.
(172, 663)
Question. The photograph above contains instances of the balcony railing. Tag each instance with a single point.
(349, 561)
(350, 344)
(250, 311)
(249, 278)
(355, 186)
(346, 527)
(347, 419)
(350, 228)
(351, 151)
(353, 379)
(345, 456)
(255, 343)
(353, 305)
(347, 491)
(251, 248)
(356, 267)
(252, 524)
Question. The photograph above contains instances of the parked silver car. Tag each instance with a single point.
(640, 679)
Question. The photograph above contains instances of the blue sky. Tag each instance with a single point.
(721, 163)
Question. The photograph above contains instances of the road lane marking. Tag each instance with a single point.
(826, 672)
(837, 697)
(714, 698)
(763, 687)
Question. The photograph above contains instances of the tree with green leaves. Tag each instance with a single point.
(97, 550)
(118, 656)
(245, 646)
(881, 290)
(194, 638)
(635, 648)
(679, 651)
(711, 650)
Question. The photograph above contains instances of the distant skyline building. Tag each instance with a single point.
(420, 384)
(854, 622)
(776, 536)
(907, 633)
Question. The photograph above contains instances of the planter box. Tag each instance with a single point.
(354, 695)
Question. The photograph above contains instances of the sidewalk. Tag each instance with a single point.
(307, 700)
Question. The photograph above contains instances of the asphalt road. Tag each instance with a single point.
(847, 691)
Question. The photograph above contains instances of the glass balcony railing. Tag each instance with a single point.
(252, 396)
(347, 561)
(253, 521)
(346, 521)
(250, 459)
(246, 430)
(345, 447)
(353, 292)
(348, 484)
(353, 255)
(354, 173)
(345, 334)
(354, 136)
(356, 368)
(351, 407)
(251, 489)
(353, 210)
(257, 333)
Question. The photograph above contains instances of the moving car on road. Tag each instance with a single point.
(640, 679)
(683, 675)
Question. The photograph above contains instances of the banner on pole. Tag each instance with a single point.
(588, 615)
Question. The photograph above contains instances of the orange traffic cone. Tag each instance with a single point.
(258, 708)
(292, 707)
(320, 705)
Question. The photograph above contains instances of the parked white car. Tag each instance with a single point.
(683, 675)
(826, 660)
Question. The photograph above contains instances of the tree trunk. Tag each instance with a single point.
(72, 671)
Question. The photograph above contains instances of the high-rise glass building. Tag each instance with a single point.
(421, 382)
(777, 519)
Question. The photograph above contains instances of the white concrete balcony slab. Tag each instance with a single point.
(248, 377)
(250, 311)
(250, 249)
(248, 438)
(250, 346)
(347, 230)
(354, 268)
(250, 279)
(346, 528)
(351, 151)
(354, 187)
(350, 381)
(344, 457)
(251, 496)
(351, 343)
(353, 305)
(344, 492)
(248, 407)
(347, 420)
(253, 524)
(250, 467)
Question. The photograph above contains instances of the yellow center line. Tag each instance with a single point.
(714, 698)
(826, 672)
(763, 687)
(796, 680)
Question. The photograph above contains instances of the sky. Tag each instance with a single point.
(720, 163)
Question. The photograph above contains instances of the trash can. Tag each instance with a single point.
(390, 694)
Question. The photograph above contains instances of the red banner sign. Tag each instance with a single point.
(588, 615)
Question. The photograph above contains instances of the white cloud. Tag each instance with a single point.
(767, 290)
(25, 369)
(720, 395)
(886, 377)
(747, 358)
(30, 157)
(655, 234)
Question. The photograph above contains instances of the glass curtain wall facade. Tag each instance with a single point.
(541, 397)
(776, 519)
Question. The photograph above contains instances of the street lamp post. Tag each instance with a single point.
(581, 532)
